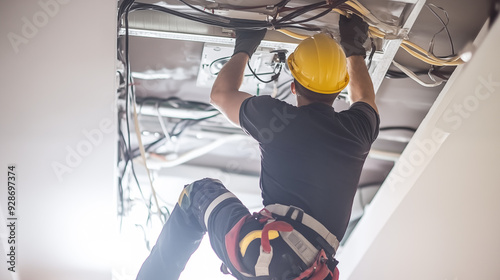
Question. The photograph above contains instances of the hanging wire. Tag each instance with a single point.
(445, 28)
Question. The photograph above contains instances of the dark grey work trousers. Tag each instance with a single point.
(183, 231)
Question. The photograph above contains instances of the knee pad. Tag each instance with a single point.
(188, 194)
(201, 197)
(185, 197)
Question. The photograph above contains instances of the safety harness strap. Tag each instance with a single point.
(299, 215)
(301, 246)
(231, 242)
(320, 265)
(266, 251)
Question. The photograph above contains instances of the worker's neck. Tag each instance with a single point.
(302, 101)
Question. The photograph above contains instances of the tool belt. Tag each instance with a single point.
(308, 239)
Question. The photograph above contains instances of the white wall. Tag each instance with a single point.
(437, 214)
(57, 75)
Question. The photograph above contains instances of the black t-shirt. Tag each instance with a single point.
(311, 155)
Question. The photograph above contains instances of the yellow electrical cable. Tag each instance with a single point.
(452, 61)
(439, 62)
(419, 52)
(419, 49)
(358, 7)
(376, 31)
(143, 155)
(293, 34)
(413, 49)
(410, 47)
(339, 11)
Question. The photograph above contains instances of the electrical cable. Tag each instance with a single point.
(130, 97)
(293, 34)
(234, 23)
(187, 123)
(391, 74)
(325, 12)
(419, 52)
(200, 10)
(146, 241)
(227, 58)
(445, 27)
(414, 77)
(195, 153)
(273, 78)
(408, 128)
(407, 45)
(127, 5)
(372, 52)
(285, 92)
(129, 159)
(162, 124)
(121, 205)
(162, 140)
(239, 8)
(355, 7)
(206, 18)
(430, 58)
(302, 10)
(143, 155)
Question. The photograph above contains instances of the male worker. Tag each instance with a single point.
(312, 158)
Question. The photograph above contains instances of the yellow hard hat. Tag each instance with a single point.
(319, 64)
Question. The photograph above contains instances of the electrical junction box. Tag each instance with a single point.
(215, 56)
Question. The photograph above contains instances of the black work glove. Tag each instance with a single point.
(247, 41)
(353, 34)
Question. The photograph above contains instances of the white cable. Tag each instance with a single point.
(165, 163)
(162, 124)
(369, 17)
(414, 76)
(143, 155)
(383, 155)
(275, 89)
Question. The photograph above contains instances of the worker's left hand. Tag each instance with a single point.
(247, 41)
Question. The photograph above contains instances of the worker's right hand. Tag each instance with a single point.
(353, 34)
(247, 41)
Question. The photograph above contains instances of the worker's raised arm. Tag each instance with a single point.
(353, 33)
(225, 95)
(360, 85)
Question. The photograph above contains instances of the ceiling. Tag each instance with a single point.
(168, 70)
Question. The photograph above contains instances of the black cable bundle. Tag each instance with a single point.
(234, 23)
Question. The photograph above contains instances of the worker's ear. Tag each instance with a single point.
(292, 87)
